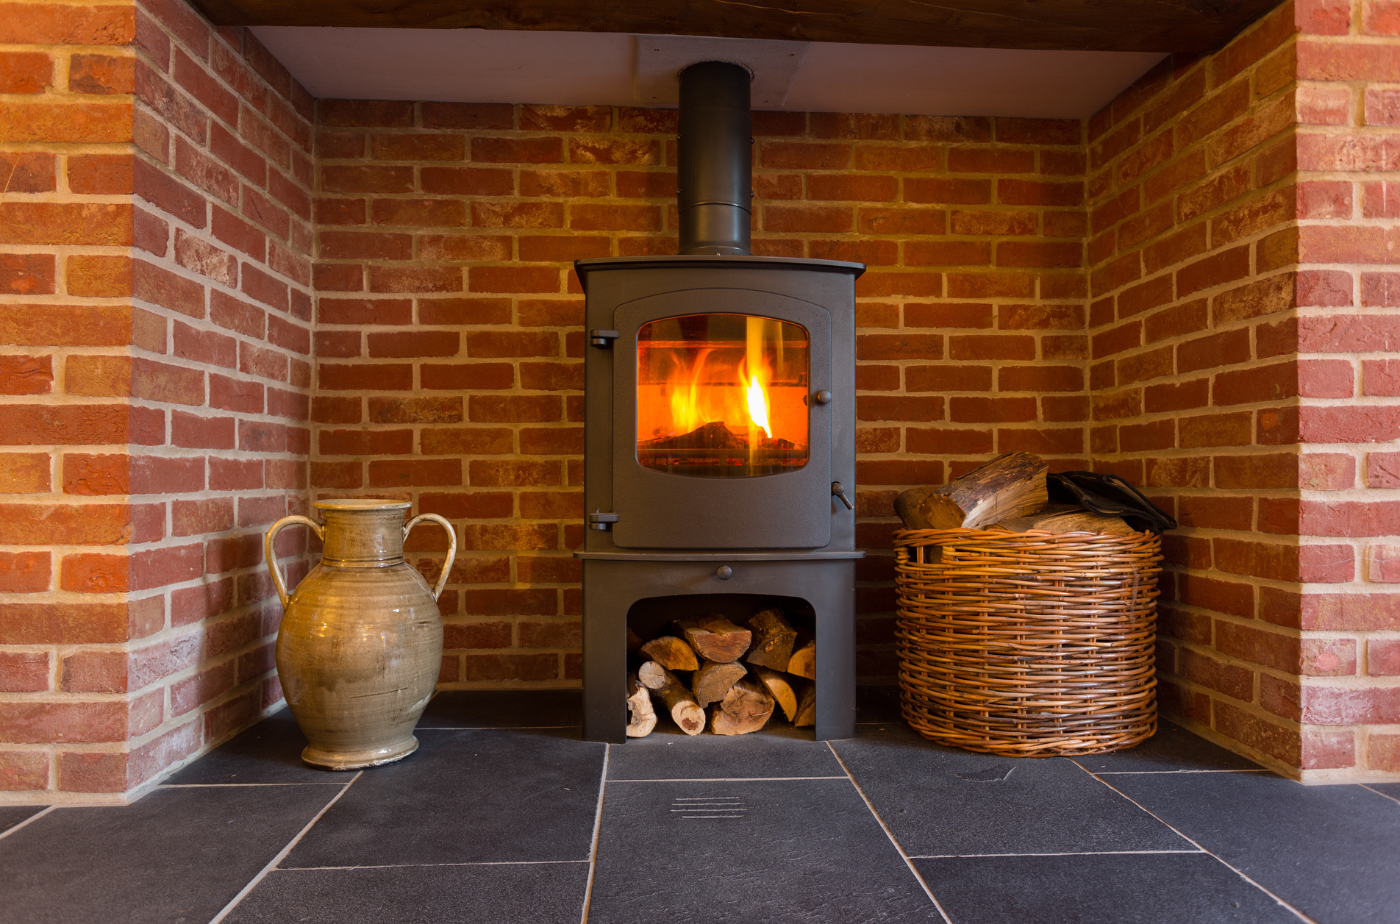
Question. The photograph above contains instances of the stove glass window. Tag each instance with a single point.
(722, 395)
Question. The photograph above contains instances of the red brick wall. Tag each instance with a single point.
(155, 373)
(1349, 379)
(449, 340)
(1193, 377)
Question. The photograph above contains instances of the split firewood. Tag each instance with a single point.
(780, 690)
(715, 638)
(713, 680)
(1011, 485)
(772, 640)
(803, 662)
(641, 717)
(746, 708)
(680, 705)
(671, 653)
(806, 706)
(1066, 520)
(634, 641)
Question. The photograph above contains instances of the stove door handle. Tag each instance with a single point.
(838, 491)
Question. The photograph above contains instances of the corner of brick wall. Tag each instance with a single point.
(155, 377)
(1348, 608)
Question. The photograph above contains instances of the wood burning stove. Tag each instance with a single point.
(720, 426)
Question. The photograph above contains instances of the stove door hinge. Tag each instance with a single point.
(601, 520)
(602, 339)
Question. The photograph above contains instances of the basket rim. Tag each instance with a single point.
(1032, 537)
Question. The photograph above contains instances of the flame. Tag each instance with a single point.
(758, 405)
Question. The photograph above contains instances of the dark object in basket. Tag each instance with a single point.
(1110, 496)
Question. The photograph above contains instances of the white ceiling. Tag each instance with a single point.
(597, 68)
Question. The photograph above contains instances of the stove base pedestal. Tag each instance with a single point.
(613, 582)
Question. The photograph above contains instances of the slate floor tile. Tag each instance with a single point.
(670, 754)
(550, 893)
(504, 709)
(11, 815)
(1159, 888)
(805, 852)
(176, 856)
(943, 802)
(1333, 852)
(1387, 789)
(269, 752)
(1172, 750)
(465, 797)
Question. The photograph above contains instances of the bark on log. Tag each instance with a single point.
(671, 653)
(780, 690)
(746, 708)
(803, 662)
(772, 640)
(713, 680)
(679, 704)
(715, 638)
(641, 716)
(1011, 485)
(806, 706)
(634, 641)
(1074, 520)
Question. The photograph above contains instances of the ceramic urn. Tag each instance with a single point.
(360, 646)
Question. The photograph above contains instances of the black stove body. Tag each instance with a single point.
(719, 471)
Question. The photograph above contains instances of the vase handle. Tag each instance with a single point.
(271, 557)
(451, 546)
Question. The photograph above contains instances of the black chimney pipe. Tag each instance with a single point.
(715, 169)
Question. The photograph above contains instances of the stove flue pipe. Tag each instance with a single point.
(715, 169)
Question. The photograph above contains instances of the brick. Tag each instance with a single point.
(951, 191)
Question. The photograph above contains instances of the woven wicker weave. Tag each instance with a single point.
(1028, 644)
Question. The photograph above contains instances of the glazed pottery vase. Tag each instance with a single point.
(360, 646)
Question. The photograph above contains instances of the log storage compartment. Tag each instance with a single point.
(719, 460)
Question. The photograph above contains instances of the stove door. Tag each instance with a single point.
(719, 439)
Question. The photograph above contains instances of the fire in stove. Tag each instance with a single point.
(721, 395)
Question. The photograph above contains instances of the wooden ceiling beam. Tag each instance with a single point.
(1189, 26)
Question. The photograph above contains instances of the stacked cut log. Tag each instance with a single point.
(1008, 492)
(740, 675)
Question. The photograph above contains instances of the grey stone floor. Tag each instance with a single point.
(504, 816)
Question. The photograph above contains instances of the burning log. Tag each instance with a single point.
(715, 638)
(803, 662)
(681, 706)
(713, 435)
(713, 680)
(746, 708)
(773, 638)
(671, 653)
(1011, 485)
(780, 690)
(641, 717)
(806, 706)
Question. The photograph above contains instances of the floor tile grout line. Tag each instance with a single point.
(735, 779)
(282, 854)
(597, 833)
(312, 869)
(23, 824)
(1164, 772)
(1230, 866)
(918, 877)
(1383, 795)
(1071, 853)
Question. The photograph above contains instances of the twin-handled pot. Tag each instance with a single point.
(360, 646)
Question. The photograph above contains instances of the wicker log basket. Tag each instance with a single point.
(1028, 644)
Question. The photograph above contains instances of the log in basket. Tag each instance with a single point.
(1028, 644)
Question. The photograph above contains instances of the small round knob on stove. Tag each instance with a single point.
(823, 397)
(724, 573)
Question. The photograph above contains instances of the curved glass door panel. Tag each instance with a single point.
(722, 395)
